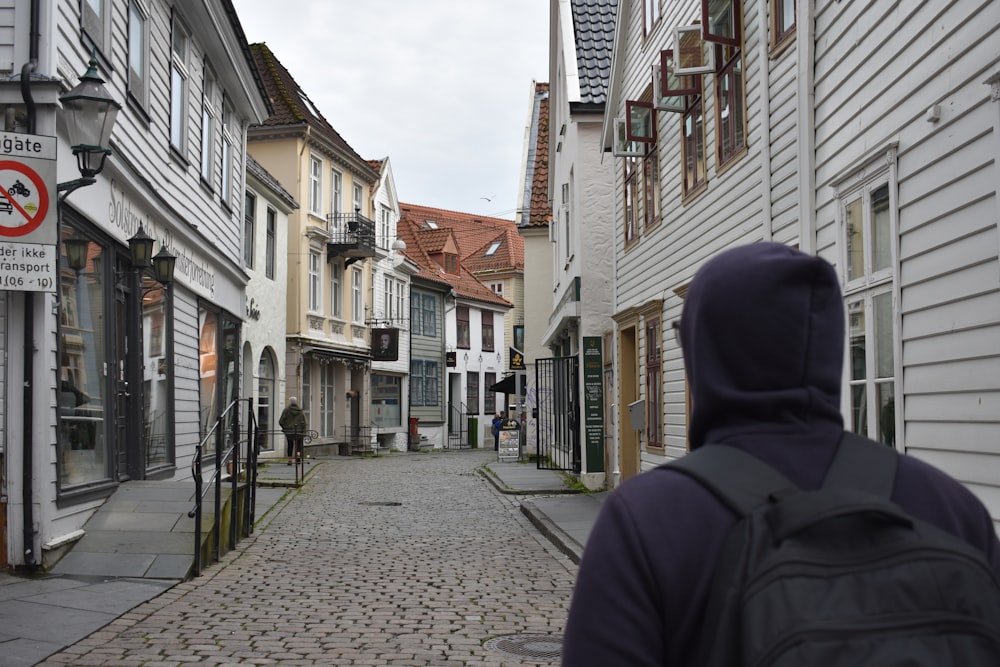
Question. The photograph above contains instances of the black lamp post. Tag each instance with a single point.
(90, 112)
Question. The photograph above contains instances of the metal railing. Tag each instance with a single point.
(359, 440)
(228, 444)
(351, 228)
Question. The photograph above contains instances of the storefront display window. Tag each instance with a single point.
(82, 401)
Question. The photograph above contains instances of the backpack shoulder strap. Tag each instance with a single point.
(740, 480)
(863, 465)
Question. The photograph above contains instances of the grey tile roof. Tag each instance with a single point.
(594, 27)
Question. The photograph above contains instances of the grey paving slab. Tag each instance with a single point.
(20, 652)
(114, 597)
(131, 521)
(104, 564)
(14, 587)
(135, 542)
(44, 622)
(166, 566)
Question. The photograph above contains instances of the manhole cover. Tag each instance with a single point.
(380, 503)
(541, 647)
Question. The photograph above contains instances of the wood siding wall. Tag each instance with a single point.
(868, 93)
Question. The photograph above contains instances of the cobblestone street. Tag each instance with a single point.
(410, 559)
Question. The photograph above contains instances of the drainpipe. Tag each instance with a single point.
(806, 96)
(765, 124)
(27, 449)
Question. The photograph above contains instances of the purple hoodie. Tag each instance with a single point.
(763, 339)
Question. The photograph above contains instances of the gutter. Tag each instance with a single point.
(28, 448)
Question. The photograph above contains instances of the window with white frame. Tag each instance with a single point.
(208, 116)
(388, 297)
(424, 379)
(357, 297)
(384, 215)
(651, 12)
(180, 46)
(315, 293)
(356, 197)
(226, 157)
(269, 251)
(336, 192)
(327, 399)
(567, 232)
(335, 290)
(249, 216)
(868, 234)
(496, 286)
(138, 52)
(315, 186)
(400, 300)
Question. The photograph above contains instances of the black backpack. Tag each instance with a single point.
(839, 576)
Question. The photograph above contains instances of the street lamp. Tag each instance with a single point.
(90, 112)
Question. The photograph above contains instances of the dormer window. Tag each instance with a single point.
(451, 263)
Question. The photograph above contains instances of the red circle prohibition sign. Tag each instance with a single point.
(32, 222)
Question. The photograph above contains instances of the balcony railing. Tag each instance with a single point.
(352, 235)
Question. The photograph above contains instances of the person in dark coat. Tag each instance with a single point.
(293, 423)
(763, 337)
(497, 422)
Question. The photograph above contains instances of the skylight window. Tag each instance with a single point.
(305, 100)
(430, 224)
(493, 248)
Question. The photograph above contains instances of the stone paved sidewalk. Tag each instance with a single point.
(415, 560)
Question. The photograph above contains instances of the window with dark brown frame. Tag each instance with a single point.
(633, 208)
(730, 102)
(783, 20)
(462, 327)
(654, 377)
(651, 188)
(472, 392)
(693, 144)
(722, 22)
(487, 331)
(489, 398)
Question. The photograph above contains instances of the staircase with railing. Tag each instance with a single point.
(233, 464)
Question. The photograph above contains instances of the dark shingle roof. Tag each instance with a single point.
(292, 107)
(594, 27)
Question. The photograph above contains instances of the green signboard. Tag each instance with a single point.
(593, 403)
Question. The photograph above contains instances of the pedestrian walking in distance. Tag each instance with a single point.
(293, 423)
(497, 421)
(691, 564)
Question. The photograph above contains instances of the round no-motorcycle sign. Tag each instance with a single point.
(24, 199)
(28, 217)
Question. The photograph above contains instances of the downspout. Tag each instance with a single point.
(805, 95)
(27, 449)
(765, 124)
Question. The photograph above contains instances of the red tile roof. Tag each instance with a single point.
(541, 209)
(477, 232)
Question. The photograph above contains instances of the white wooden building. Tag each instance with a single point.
(113, 377)
(868, 133)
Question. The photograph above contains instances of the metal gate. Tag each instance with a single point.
(557, 383)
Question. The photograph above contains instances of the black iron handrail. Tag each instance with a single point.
(225, 453)
(351, 228)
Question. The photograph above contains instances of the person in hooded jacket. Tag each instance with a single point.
(762, 334)
(293, 423)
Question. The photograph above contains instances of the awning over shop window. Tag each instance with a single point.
(508, 385)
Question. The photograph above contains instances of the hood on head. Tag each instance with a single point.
(762, 334)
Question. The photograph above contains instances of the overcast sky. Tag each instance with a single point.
(440, 87)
